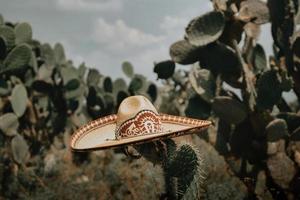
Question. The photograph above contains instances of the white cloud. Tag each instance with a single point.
(116, 42)
(173, 28)
(105, 44)
(171, 23)
(118, 36)
(119, 42)
(144, 60)
(90, 5)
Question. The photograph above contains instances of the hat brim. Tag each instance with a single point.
(100, 133)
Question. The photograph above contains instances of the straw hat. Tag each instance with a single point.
(137, 121)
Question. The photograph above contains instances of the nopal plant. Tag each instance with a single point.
(233, 82)
(44, 98)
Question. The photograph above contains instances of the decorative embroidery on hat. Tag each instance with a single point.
(145, 122)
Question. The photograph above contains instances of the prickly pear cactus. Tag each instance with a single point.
(252, 99)
(182, 167)
(246, 94)
(43, 99)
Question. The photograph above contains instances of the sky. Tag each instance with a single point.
(104, 33)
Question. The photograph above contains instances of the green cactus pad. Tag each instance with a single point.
(184, 161)
(259, 59)
(20, 149)
(68, 74)
(121, 95)
(45, 72)
(152, 91)
(198, 108)
(276, 129)
(164, 69)
(229, 109)
(17, 59)
(33, 62)
(23, 33)
(19, 99)
(82, 70)
(59, 53)
(48, 54)
(42, 87)
(205, 29)
(137, 83)
(118, 85)
(107, 84)
(72, 84)
(9, 124)
(93, 77)
(268, 90)
(185, 166)
(220, 58)
(76, 92)
(9, 35)
(109, 103)
(255, 11)
(127, 69)
(203, 83)
(183, 52)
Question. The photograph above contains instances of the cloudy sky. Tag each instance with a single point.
(104, 33)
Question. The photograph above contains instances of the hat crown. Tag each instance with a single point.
(131, 106)
(137, 116)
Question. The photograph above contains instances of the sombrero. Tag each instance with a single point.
(137, 121)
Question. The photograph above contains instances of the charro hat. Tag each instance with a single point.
(137, 121)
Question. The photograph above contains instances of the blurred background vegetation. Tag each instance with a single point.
(251, 152)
